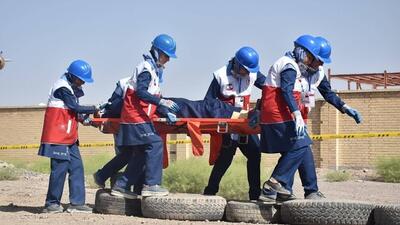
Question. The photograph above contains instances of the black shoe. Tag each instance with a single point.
(276, 187)
(209, 194)
(267, 197)
(114, 178)
(209, 191)
(315, 196)
(121, 192)
(283, 197)
(54, 208)
(137, 189)
(79, 209)
(98, 181)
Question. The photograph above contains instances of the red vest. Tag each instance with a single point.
(274, 107)
(235, 91)
(134, 110)
(60, 123)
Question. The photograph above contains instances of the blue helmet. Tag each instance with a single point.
(248, 58)
(82, 70)
(165, 44)
(325, 51)
(308, 42)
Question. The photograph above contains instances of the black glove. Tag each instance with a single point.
(254, 118)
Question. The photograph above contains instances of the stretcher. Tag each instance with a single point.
(194, 128)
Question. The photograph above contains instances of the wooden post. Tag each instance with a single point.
(348, 85)
(337, 141)
(385, 78)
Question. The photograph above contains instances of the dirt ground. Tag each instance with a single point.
(21, 201)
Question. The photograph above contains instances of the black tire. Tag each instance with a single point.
(387, 214)
(252, 212)
(184, 207)
(105, 203)
(325, 212)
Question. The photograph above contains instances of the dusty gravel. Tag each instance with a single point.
(21, 201)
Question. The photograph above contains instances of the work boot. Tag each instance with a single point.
(154, 190)
(54, 208)
(114, 178)
(79, 209)
(98, 181)
(210, 191)
(137, 189)
(315, 196)
(276, 186)
(267, 194)
(283, 197)
(121, 192)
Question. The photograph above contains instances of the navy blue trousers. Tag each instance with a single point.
(76, 180)
(115, 164)
(144, 165)
(299, 159)
(251, 151)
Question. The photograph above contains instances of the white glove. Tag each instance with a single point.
(171, 105)
(102, 106)
(87, 121)
(171, 118)
(300, 125)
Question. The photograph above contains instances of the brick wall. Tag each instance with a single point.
(23, 125)
(379, 109)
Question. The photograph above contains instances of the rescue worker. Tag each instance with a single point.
(59, 139)
(288, 96)
(209, 108)
(233, 84)
(137, 134)
(113, 110)
(114, 106)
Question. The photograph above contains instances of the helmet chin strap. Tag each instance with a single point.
(300, 55)
(311, 70)
(70, 78)
(236, 68)
(156, 55)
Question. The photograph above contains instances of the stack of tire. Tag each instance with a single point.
(106, 203)
(213, 208)
(174, 206)
(339, 212)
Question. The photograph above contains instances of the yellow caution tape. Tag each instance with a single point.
(184, 141)
(187, 141)
(4, 147)
(346, 136)
(105, 144)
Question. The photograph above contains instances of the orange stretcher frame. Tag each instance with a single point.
(194, 127)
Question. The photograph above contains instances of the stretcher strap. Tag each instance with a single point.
(197, 139)
(215, 148)
(165, 151)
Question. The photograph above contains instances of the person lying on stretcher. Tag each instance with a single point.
(208, 108)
